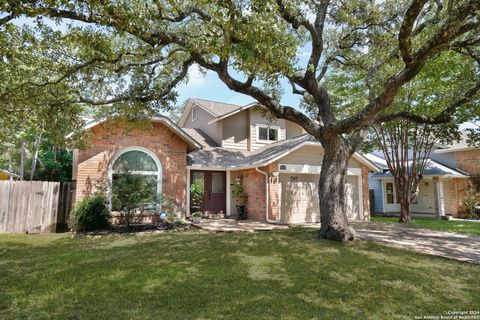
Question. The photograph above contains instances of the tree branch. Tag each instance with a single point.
(443, 117)
(405, 34)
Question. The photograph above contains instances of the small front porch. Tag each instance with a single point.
(217, 200)
(229, 225)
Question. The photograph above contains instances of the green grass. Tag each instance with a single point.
(466, 227)
(195, 275)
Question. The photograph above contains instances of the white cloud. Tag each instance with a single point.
(195, 77)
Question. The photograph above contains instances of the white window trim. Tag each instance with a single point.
(395, 200)
(394, 190)
(258, 126)
(194, 113)
(111, 172)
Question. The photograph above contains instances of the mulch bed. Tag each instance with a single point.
(137, 229)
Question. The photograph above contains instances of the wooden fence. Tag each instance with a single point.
(35, 206)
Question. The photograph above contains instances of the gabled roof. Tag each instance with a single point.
(459, 145)
(215, 108)
(192, 143)
(432, 168)
(231, 113)
(201, 137)
(221, 158)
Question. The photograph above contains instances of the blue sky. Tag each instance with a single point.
(209, 87)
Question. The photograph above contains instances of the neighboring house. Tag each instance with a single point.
(218, 145)
(443, 187)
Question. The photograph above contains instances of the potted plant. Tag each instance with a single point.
(196, 216)
(240, 196)
(196, 196)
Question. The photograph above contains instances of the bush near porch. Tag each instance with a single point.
(195, 275)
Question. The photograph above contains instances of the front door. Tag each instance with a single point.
(214, 186)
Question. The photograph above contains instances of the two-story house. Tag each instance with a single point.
(219, 145)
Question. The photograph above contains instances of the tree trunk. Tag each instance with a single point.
(405, 211)
(333, 215)
(36, 148)
(404, 199)
(21, 170)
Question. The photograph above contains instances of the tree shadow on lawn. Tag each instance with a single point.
(281, 274)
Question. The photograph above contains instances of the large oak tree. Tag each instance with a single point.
(134, 52)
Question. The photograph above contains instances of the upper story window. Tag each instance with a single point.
(267, 133)
(194, 113)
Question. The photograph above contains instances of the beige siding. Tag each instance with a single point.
(213, 130)
(447, 197)
(426, 199)
(353, 163)
(256, 118)
(293, 130)
(235, 131)
(311, 155)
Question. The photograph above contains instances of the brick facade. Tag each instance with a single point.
(469, 161)
(456, 192)
(254, 185)
(107, 139)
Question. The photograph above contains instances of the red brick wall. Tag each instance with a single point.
(457, 192)
(469, 161)
(108, 139)
(254, 185)
(365, 193)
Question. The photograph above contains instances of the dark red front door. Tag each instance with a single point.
(214, 186)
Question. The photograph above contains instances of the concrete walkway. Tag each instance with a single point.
(438, 243)
(230, 225)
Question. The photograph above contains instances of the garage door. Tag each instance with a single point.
(300, 198)
(351, 195)
(299, 203)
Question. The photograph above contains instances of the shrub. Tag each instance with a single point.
(173, 211)
(132, 194)
(471, 202)
(90, 214)
(196, 194)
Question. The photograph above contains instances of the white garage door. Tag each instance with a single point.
(352, 198)
(299, 203)
(300, 198)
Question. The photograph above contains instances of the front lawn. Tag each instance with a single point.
(466, 227)
(195, 275)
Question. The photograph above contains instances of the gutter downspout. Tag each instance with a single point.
(267, 197)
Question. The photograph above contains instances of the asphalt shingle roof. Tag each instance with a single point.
(462, 143)
(201, 137)
(432, 168)
(218, 109)
(227, 158)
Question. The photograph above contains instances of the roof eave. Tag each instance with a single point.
(187, 138)
(454, 150)
(248, 106)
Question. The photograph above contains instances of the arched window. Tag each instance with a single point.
(138, 161)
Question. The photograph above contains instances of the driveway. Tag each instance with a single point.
(438, 243)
